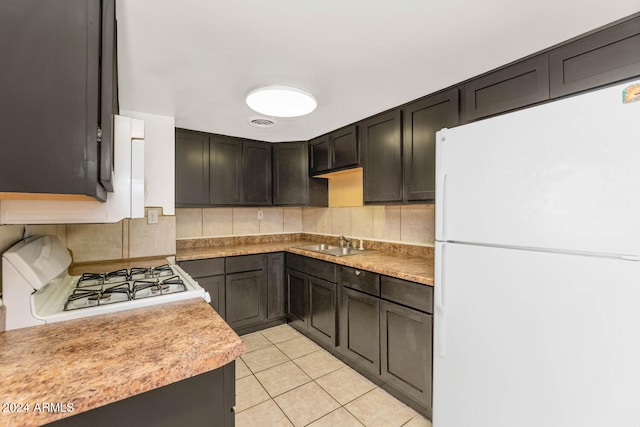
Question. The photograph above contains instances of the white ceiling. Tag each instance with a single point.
(196, 60)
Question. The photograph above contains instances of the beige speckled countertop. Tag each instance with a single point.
(414, 268)
(97, 360)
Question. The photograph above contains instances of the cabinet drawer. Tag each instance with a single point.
(360, 280)
(411, 294)
(203, 267)
(238, 264)
(313, 267)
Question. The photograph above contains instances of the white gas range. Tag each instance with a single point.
(37, 288)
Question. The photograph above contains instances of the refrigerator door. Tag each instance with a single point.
(562, 176)
(525, 338)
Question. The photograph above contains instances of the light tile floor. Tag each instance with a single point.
(285, 379)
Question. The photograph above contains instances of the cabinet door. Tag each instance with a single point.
(381, 145)
(256, 173)
(422, 119)
(320, 155)
(290, 174)
(406, 339)
(298, 299)
(192, 168)
(245, 302)
(515, 86)
(225, 176)
(322, 310)
(108, 91)
(215, 286)
(50, 96)
(360, 329)
(604, 57)
(344, 147)
(275, 286)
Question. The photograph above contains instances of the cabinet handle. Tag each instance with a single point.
(358, 272)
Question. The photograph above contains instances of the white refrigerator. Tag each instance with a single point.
(537, 272)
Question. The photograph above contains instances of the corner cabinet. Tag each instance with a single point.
(247, 291)
(59, 94)
(335, 151)
(422, 119)
(291, 183)
(312, 298)
(381, 145)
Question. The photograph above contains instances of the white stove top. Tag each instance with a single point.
(32, 301)
(73, 297)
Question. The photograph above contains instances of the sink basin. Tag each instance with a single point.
(319, 247)
(337, 251)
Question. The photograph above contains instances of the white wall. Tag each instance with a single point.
(159, 159)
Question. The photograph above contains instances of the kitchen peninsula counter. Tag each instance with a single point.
(401, 265)
(94, 361)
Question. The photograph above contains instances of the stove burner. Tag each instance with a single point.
(151, 272)
(154, 287)
(118, 276)
(98, 299)
(159, 289)
(90, 297)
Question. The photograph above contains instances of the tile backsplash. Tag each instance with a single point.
(129, 238)
(404, 224)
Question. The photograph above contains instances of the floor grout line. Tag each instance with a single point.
(314, 380)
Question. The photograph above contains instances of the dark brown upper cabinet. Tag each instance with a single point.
(422, 119)
(605, 57)
(291, 183)
(335, 151)
(218, 170)
(108, 90)
(256, 173)
(192, 168)
(518, 85)
(381, 156)
(52, 90)
(225, 173)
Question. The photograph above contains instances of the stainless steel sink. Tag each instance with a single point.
(337, 251)
(319, 247)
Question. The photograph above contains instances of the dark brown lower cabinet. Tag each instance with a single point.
(251, 296)
(406, 338)
(203, 400)
(360, 329)
(276, 297)
(215, 286)
(245, 298)
(298, 298)
(322, 310)
(312, 299)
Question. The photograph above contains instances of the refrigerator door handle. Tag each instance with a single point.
(440, 301)
(441, 211)
(441, 184)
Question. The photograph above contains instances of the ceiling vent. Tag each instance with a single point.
(262, 122)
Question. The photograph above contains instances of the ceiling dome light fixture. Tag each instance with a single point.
(281, 101)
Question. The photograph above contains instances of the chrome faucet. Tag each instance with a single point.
(342, 240)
